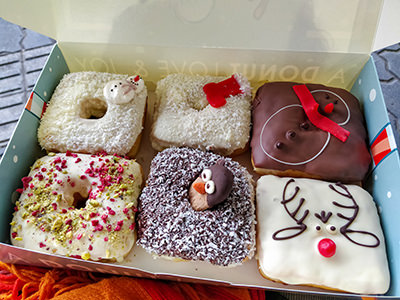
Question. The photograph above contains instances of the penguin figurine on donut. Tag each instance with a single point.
(212, 187)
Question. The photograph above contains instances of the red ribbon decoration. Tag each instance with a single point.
(218, 92)
(310, 107)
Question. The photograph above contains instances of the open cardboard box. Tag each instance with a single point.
(302, 40)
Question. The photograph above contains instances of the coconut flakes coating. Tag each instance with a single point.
(169, 226)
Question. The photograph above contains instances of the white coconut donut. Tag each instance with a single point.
(184, 117)
(78, 205)
(91, 112)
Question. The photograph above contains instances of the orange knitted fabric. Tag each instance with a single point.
(25, 282)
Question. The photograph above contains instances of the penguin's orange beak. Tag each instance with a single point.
(200, 187)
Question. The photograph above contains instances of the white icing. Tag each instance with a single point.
(184, 117)
(62, 128)
(297, 261)
(119, 92)
(60, 195)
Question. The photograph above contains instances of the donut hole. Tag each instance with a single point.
(197, 103)
(79, 200)
(92, 108)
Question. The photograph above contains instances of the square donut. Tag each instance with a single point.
(317, 133)
(185, 117)
(170, 223)
(323, 234)
(91, 112)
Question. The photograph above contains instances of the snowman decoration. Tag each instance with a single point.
(329, 110)
(123, 91)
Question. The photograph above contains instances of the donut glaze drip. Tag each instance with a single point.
(168, 226)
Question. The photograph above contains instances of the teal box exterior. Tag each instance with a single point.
(23, 150)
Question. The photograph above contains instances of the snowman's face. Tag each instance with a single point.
(332, 106)
(284, 138)
(123, 91)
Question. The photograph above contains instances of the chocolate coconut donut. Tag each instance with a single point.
(181, 217)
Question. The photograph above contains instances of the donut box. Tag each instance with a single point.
(121, 38)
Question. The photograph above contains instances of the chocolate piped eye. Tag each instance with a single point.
(331, 229)
(206, 174)
(290, 134)
(210, 187)
(318, 228)
(279, 145)
(304, 125)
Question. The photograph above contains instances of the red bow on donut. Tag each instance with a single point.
(218, 92)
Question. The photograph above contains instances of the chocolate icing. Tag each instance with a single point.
(293, 230)
(355, 208)
(223, 179)
(295, 144)
(323, 216)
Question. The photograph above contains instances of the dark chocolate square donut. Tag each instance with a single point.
(286, 143)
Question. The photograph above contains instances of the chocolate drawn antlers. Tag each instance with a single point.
(345, 228)
(299, 221)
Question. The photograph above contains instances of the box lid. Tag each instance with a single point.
(290, 25)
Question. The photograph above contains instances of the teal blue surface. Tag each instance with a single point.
(383, 181)
(52, 72)
(23, 148)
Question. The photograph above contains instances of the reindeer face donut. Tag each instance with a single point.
(196, 111)
(332, 241)
(197, 206)
(308, 131)
(91, 112)
(79, 205)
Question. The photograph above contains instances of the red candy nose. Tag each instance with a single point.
(327, 247)
(328, 108)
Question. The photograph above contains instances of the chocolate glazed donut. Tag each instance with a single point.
(285, 142)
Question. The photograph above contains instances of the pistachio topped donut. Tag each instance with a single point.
(78, 205)
(90, 112)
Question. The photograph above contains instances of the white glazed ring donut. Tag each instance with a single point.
(79, 205)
